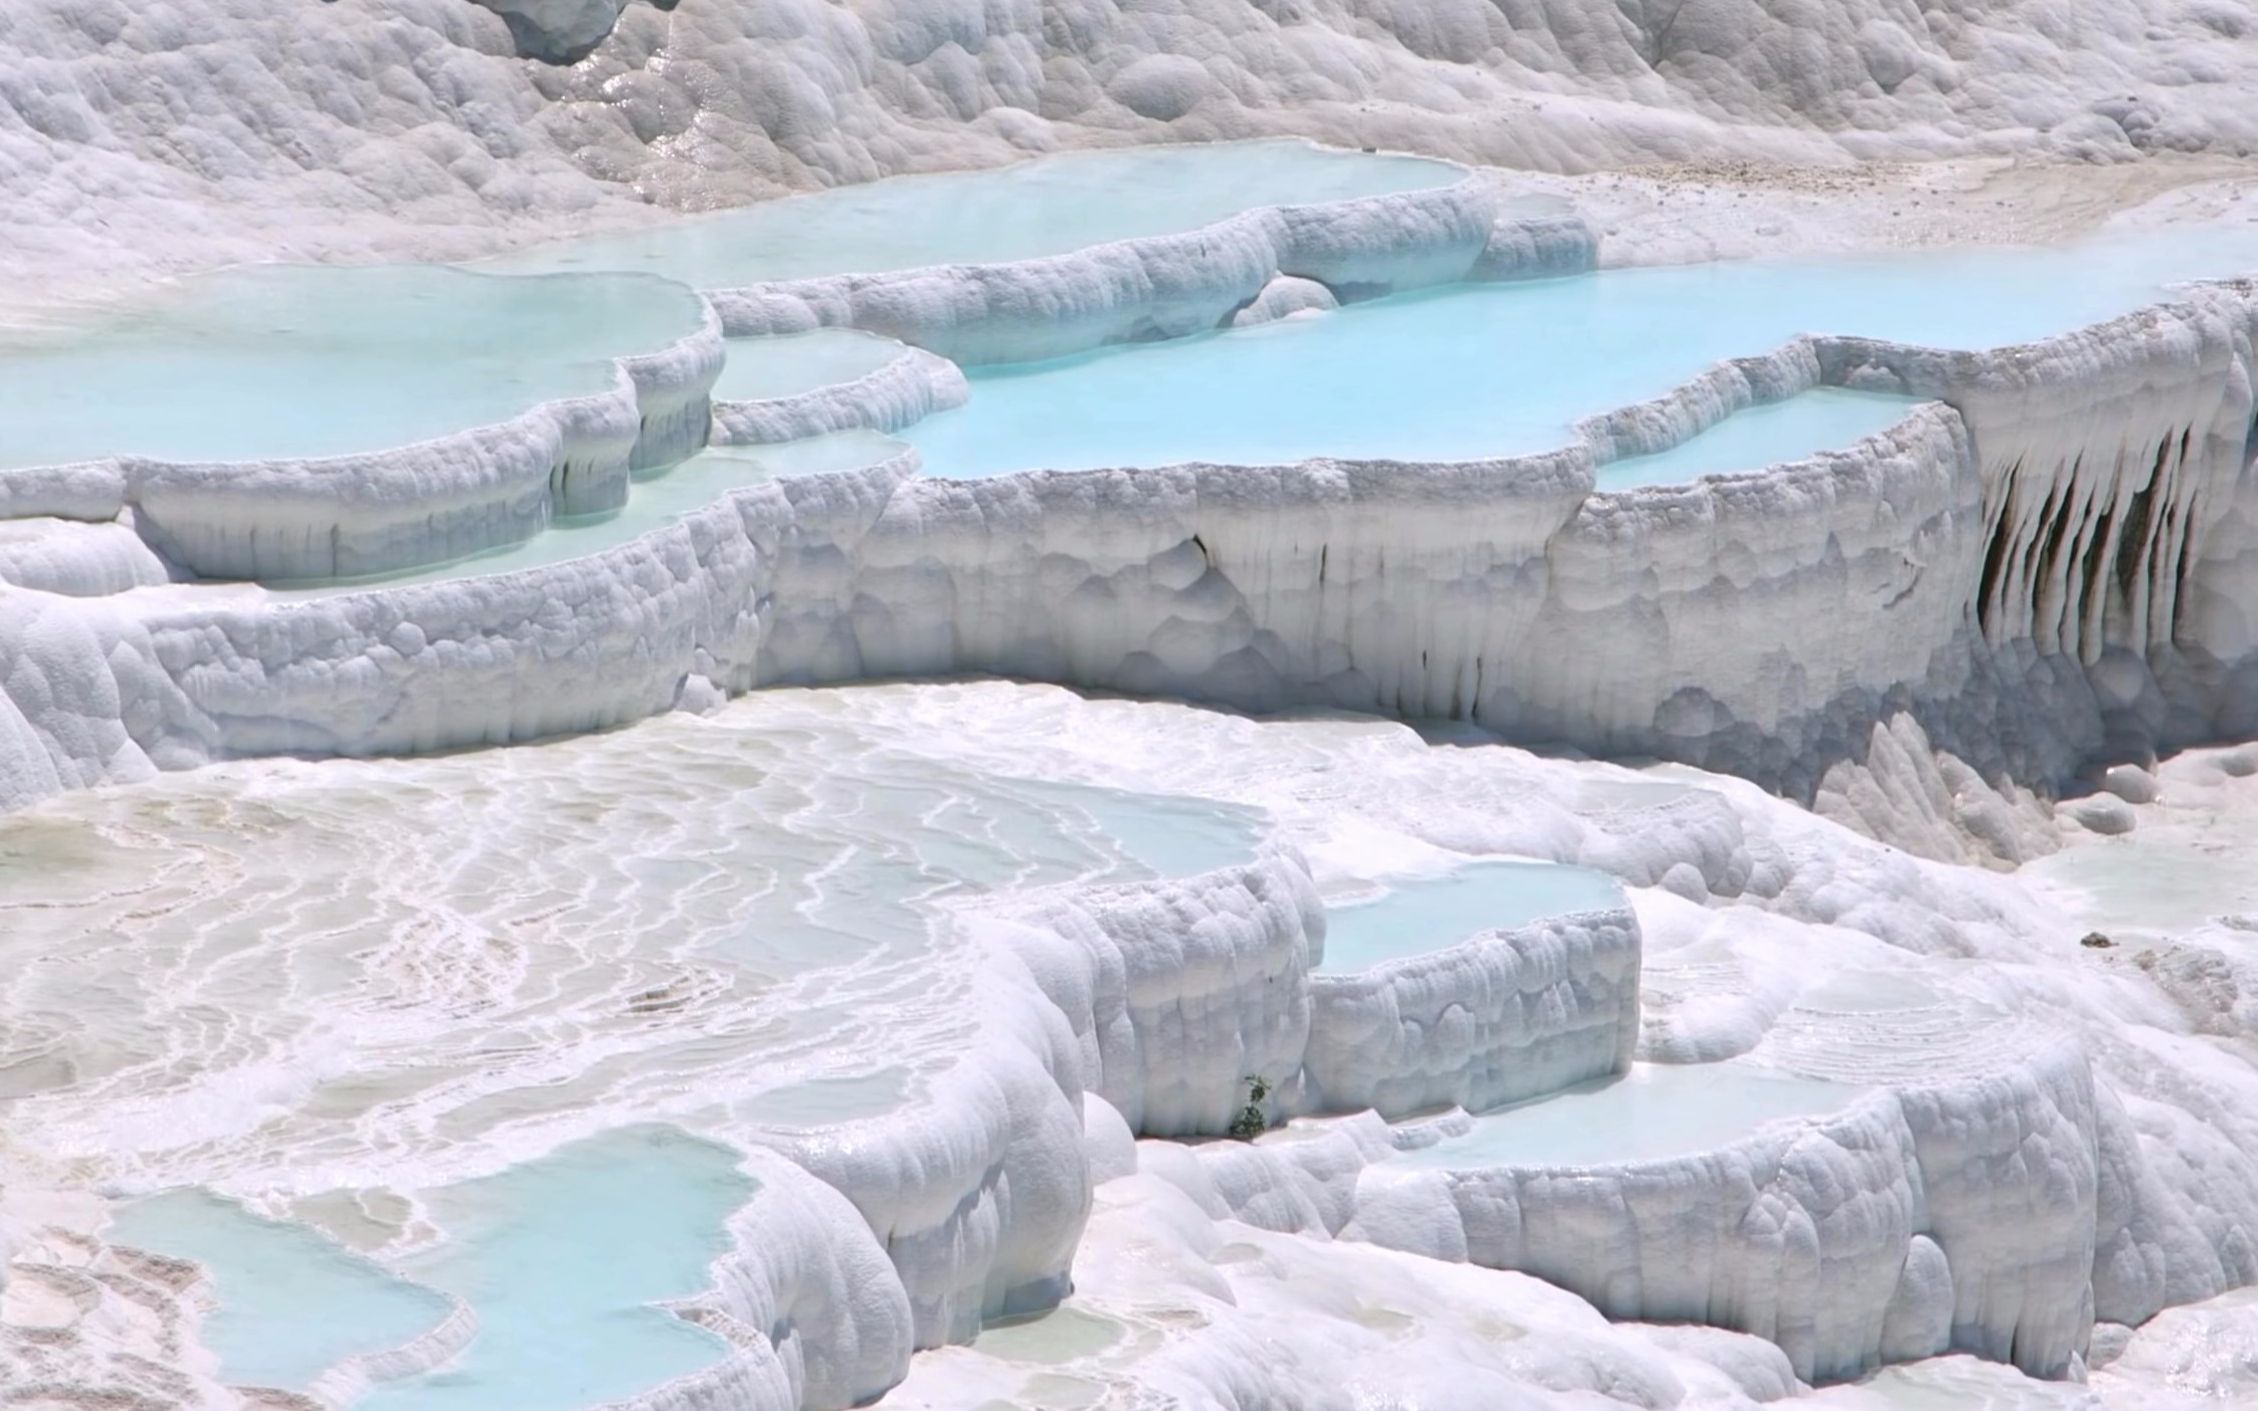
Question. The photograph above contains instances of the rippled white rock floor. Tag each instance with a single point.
(506, 1031)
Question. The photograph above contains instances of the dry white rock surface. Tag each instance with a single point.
(138, 138)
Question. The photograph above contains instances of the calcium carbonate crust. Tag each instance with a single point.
(346, 516)
(1502, 1016)
(1998, 1202)
(414, 128)
(2061, 556)
(1889, 1231)
(905, 391)
(1169, 286)
(2076, 513)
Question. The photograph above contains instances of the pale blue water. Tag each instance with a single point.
(1425, 914)
(823, 1102)
(302, 360)
(1042, 207)
(1167, 836)
(561, 1259)
(935, 831)
(291, 1303)
(1470, 371)
(758, 369)
(1824, 418)
(1031, 832)
(1655, 1110)
(653, 501)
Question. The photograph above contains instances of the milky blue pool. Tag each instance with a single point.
(759, 369)
(1469, 371)
(309, 360)
(559, 1260)
(1043, 207)
(1422, 914)
(1822, 419)
(1654, 1111)
(291, 1304)
(562, 1258)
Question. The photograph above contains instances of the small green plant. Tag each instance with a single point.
(1249, 1122)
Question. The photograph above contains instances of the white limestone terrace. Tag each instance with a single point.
(1484, 985)
(679, 492)
(851, 979)
(1178, 242)
(781, 996)
(1065, 253)
(793, 386)
(302, 422)
(1032, 210)
(401, 364)
(1881, 1235)
(876, 573)
(2046, 1143)
(1995, 1138)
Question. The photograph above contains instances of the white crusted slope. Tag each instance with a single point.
(409, 127)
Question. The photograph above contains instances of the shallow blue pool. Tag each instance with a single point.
(291, 1303)
(1822, 419)
(1471, 371)
(1656, 1110)
(759, 369)
(1042, 207)
(560, 1261)
(1161, 834)
(1429, 913)
(311, 360)
(562, 1258)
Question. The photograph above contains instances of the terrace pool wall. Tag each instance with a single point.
(525, 422)
(2048, 562)
(1872, 1229)
(2055, 568)
(2037, 552)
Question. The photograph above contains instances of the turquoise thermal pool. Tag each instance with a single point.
(291, 1303)
(1822, 419)
(1167, 837)
(1466, 372)
(1430, 913)
(1656, 1110)
(1043, 207)
(788, 364)
(2147, 885)
(559, 1261)
(299, 360)
(562, 1258)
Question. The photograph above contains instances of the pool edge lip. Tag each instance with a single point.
(1445, 956)
(1858, 1099)
(655, 405)
(1296, 238)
